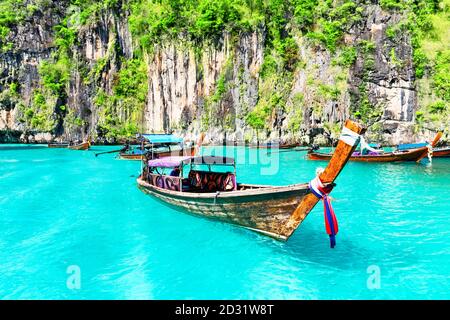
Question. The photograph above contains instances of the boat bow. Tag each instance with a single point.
(348, 141)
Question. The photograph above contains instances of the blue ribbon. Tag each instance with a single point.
(330, 221)
(328, 213)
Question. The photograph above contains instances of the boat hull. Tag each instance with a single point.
(81, 146)
(265, 210)
(127, 156)
(185, 151)
(411, 155)
(58, 145)
(441, 153)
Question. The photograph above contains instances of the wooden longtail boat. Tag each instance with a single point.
(80, 146)
(440, 152)
(158, 154)
(410, 155)
(443, 152)
(288, 146)
(130, 156)
(395, 156)
(159, 145)
(271, 210)
(58, 145)
(276, 146)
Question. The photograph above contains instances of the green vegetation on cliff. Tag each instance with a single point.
(287, 26)
(429, 24)
(121, 112)
(10, 15)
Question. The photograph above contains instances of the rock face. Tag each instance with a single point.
(180, 82)
(32, 43)
(106, 40)
(390, 82)
(318, 108)
(185, 82)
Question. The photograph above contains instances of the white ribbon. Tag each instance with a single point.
(365, 146)
(314, 185)
(349, 137)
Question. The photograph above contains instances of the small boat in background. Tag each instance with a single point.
(66, 145)
(80, 146)
(138, 154)
(58, 145)
(275, 211)
(158, 146)
(396, 156)
(368, 154)
(288, 146)
(131, 153)
(276, 145)
(440, 152)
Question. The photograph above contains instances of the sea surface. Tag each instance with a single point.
(75, 226)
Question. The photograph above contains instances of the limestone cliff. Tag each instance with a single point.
(106, 84)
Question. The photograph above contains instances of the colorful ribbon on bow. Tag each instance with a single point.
(320, 191)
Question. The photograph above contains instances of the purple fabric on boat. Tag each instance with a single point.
(168, 162)
(371, 153)
(234, 182)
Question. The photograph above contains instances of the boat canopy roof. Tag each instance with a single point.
(176, 161)
(161, 138)
(408, 146)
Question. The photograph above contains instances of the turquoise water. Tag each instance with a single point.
(60, 208)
